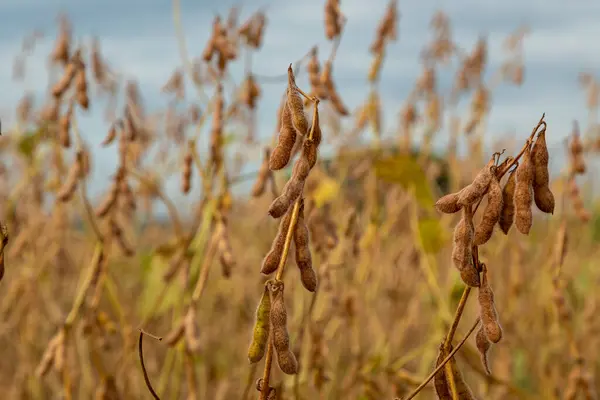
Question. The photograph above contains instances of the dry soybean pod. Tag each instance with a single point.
(483, 346)
(296, 105)
(524, 194)
(487, 309)
(112, 133)
(281, 339)
(281, 154)
(303, 256)
(448, 204)
(311, 144)
(507, 216)
(293, 188)
(186, 173)
(462, 254)
(439, 380)
(271, 261)
(463, 390)
(542, 195)
(544, 199)
(70, 184)
(474, 191)
(260, 334)
(491, 215)
(191, 330)
(540, 158)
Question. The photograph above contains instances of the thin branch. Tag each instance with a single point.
(146, 378)
(208, 259)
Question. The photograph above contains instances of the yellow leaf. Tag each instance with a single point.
(327, 189)
(405, 171)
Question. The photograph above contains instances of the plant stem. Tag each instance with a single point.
(201, 283)
(96, 259)
(278, 276)
(286, 248)
(267, 372)
(457, 316)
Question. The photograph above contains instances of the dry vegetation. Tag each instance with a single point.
(404, 287)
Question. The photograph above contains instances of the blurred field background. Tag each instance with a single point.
(387, 287)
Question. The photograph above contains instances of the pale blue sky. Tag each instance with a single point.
(138, 39)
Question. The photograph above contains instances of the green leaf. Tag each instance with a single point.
(456, 291)
(201, 238)
(153, 267)
(575, 287)
(595, 224)
(405, 171)
(229, 138)
(521, 370)
(203, 231)
(584, 282)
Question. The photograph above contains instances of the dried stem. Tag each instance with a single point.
(307, 96)
(288, 239)
(201, 283)
(85, 286)
(525, 147)
(278, 276)
(459, 311)
(267, 372)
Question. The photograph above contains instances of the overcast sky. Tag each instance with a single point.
(138, 39)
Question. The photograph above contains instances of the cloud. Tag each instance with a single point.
(139, 40)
